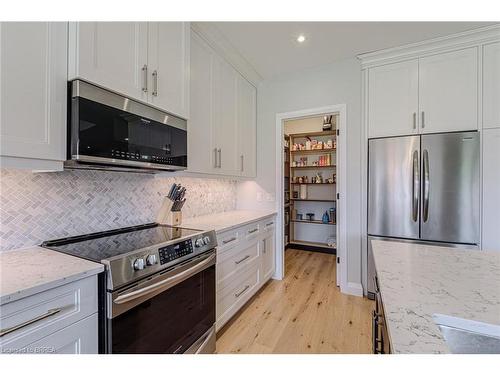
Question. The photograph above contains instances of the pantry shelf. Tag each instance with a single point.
(313, 152)
(316, 167)
(312, 183)
(313, 200)
(311, 222)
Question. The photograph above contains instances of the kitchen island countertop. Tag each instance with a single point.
(417, 281)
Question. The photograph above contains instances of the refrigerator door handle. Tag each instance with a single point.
(426, 186)
(415, 186)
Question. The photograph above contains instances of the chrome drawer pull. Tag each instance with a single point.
(241, 260)
(243, 291)
(253, 230)
(271, 223)
(51, 312)
(229, 240)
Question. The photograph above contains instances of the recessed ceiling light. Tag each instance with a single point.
(301, 38)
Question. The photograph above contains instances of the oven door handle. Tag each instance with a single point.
(168, 282)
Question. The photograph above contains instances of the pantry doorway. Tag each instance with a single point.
(310, 179)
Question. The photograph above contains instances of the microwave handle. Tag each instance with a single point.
(166, 283)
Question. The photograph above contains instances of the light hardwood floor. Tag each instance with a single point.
(304, 313)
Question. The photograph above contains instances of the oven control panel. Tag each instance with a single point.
(175, 251)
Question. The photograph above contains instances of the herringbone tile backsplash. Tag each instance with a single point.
(35, 207)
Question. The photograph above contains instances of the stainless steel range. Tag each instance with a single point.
(158, 292)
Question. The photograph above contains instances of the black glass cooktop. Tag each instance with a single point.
(104, 245)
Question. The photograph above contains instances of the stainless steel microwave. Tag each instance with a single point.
(110, 131)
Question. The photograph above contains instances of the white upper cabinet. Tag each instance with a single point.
(491, 85)
(491, 189)
(448, 90)
(111, 54)
(201, 152)
(168, 66)
(222, 123)
(225, 125)
(393, 99)
(247, 126)
(145, 61)
(33, 76)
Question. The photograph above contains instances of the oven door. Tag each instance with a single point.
(171, 312)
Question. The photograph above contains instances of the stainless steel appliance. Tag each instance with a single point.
(423, 188)
(109, 131)
(157, 294)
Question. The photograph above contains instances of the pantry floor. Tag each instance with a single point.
(304, 313)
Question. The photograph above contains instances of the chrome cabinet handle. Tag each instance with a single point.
(145, 78)
(167, 283)
(265, 246)
(215, 158)
(271, 223)
(155, 83)
(253, 230)
(220, 157)
(242, 162)
(426, 186)
(230, 240)
(50, 312)
(241, 292)
(415, 186)
(242, 259)
(414, 120)
(423, 119)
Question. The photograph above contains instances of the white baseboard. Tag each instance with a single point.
(355, 289)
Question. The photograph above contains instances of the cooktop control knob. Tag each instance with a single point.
(206, 240)
(139, 264)
(151, 259)
(198, 242)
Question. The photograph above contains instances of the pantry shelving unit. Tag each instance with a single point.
(286, 221)
(317, 197)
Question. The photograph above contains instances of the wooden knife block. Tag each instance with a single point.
(168, 217)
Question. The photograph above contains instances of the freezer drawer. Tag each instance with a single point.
(450, 187)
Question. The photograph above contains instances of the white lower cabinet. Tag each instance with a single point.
(245, 262)
(58, 320)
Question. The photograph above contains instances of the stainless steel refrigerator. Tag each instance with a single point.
(423, 188)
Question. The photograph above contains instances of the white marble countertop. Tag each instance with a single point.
(417, 281)
(33, 270)
(223, 221)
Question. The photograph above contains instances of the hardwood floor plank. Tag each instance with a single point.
(304, 313)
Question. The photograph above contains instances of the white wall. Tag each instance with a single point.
(337, 83)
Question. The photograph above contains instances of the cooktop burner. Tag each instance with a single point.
(133, 253)
(109, 244)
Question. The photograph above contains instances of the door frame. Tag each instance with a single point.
(341, 227)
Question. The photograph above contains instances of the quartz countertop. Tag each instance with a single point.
(223, 221)
(33, 270)
(417, 281)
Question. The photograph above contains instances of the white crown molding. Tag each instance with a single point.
(213, 36)
(464, 39)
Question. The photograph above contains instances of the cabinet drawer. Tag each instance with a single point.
(236, 260)
(45, 313)
(228, 240)
(238, 291)
(78, 338)
(268, 225)
(251, 230)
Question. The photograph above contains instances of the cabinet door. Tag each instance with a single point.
(168, 63)
(33, 76)
(491, 85)
(491, 189)
(247, 127)
(78, 338)
(201, 151)
(448, 88)
(225, 117)
(112, 55)
(267, 257)
(393, 99)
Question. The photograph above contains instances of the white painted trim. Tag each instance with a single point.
(215, 39)
(35, 165)
(354, 289)
(461, 40)
(341, 109)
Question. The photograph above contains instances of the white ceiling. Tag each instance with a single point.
(271, 47)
